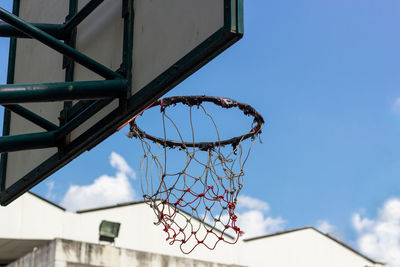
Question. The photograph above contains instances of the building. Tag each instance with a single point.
(37, 232)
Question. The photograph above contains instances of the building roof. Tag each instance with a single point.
(119, 205)
(46, 200)
(318, 231)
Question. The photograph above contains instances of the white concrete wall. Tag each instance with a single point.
(39, 257)
(139, 232)
(32, 218)
(67, 253)
(29, 217)
(304, 248)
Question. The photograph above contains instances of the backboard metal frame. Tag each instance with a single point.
(117, 86)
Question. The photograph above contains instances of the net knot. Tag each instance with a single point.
(237, 230)
(162, 107)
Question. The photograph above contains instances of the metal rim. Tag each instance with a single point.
(136, 131)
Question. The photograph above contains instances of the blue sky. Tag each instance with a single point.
(325, 76)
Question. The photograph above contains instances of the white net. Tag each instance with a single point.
(194, 197)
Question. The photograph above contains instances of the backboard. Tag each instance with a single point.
(154, 48)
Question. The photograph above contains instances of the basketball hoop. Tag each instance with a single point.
(196, 205)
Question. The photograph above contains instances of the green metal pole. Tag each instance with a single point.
(80, 118)
(68, 64)
(81, 15)
(48, 92)
(27, 141)
(7, 113)
(57, 45)
(55, 30)
(32, 117)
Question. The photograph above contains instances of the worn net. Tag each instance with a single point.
(194, 197)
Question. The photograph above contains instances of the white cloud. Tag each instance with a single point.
(118, 162)
(361, 223)
(379, 238)
(105, 190)
(253, 219)
(252, 203)
(50, 188)
(326, 227)
(255, 223)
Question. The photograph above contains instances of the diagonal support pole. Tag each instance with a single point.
(81, 15)
(57, 45)
(80, 118)
(32, 117)
(51, 138)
